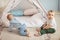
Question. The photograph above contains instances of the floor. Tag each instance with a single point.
(15, 36)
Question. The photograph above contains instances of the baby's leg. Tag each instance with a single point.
(10, 28)
(28, 33)
(38, 29)
(43, 31)
(38, 32)
(46, 31)
(51, 30)
(23, 30)
(24, 33)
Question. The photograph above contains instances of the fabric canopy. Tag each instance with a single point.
(34, 3)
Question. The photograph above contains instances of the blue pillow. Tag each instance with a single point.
(17, 12)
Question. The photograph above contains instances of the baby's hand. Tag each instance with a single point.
(46, 27)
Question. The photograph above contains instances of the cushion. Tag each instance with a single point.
(17, 12)
(30, 11)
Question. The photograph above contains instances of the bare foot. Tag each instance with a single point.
(37, 35)
(28, 35)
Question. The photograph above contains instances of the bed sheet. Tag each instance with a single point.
(29, 22)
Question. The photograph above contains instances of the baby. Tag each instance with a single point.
(49, 26)
(14, 23)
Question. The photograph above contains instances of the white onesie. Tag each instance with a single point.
(52, 22)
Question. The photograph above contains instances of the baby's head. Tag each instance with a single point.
(9, 17)
(50, 14)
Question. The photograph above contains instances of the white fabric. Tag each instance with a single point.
(30, 11)
(38, 16)
(52, 22)
(40, 7)
(35, 21)
(30, 23)
(14, 4)
(24, 4)
(9, 7)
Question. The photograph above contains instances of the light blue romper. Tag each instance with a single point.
(19, 26)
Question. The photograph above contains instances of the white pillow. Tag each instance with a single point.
(30, 11)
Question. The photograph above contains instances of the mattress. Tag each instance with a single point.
(29, 22)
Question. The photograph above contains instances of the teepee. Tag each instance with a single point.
(23, 5)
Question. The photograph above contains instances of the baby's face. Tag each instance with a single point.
(50, 15)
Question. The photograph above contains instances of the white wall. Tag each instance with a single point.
(50, 4)
(59, 5)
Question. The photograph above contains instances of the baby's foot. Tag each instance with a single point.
(28, 35)
(37, 35)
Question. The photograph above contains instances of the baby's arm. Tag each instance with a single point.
(54, 25)
(47, 27)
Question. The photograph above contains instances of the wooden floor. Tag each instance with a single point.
(15, 36)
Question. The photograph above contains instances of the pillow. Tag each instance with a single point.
(30, 11)
(17, 12)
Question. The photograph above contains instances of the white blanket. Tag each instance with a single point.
(29, 22)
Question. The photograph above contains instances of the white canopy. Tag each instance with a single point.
(30, 3)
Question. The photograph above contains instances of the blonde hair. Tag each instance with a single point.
(51, 12)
